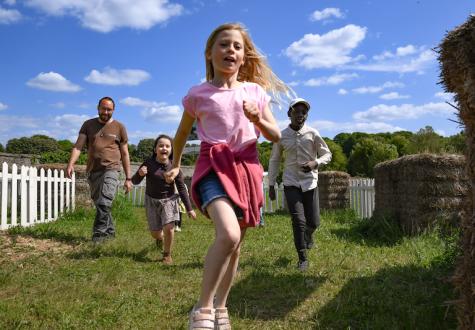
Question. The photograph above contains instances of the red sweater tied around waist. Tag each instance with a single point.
(240, 174)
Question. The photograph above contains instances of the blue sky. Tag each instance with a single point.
(364, 66)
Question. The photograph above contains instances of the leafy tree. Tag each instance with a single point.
(65, 145)
(402, 144)
(61, 157)
(132, 153)
(1, 148)
(366, 154)
(339, 161)
(426, 141)
(36, 145)
(349, 141)
(456, 143)
(144, 149)
(264, 149)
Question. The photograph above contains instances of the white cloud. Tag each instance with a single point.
(328, 50)
(393, 96)
(53, 81)
(445, 96)
(8, 16)
(14, 123)
(3, 106)
(115, 77)
(377, 89)
(335, 79)
(405, 59)
(369, 127)
(108, 15)
(342, 91)
(326, 14)
(383, 112)
(68, 121)
(10, 2)
(155, 111)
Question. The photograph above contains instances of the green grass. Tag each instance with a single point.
(363, 275)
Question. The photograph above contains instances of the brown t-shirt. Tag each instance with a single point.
(103, 142)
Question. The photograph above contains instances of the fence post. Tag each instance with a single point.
(61, 191)
(32, 192)
(73, 191)
(68, 194)
(42, 195)
(14, 194)
(55, 194)
(49, 180)
(4, 206)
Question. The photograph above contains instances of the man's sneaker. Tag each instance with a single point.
(302, 265)
(177, 228)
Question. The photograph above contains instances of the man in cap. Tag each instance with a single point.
(304, 151)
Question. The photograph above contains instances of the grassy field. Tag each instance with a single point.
(361, 276)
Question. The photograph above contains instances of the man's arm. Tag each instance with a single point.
(124, 153)
(80, 142)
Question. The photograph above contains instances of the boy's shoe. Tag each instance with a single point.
(159, 243)
(177, 228)
(302, 265)
(221, 321)
(202, 319)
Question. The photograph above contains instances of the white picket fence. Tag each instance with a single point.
(362, 196)
(29, 197)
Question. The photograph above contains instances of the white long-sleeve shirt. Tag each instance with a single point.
(298, 147)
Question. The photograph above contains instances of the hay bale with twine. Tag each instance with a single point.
(457, 64)
(333, 189)
(419, 191)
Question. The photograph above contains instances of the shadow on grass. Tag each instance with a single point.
(407, 297)
(48, 231)
(99, 252)
(267, 296)
(379, 231)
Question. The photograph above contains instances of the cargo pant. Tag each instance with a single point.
(103, 186)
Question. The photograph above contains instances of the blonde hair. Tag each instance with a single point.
(255, 68)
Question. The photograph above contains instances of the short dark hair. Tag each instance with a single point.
(162, 136)
(106, 98)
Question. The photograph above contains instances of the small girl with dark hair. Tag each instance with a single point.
(161, 200)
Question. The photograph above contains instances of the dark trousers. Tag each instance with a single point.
(103, 187)
(304, 210)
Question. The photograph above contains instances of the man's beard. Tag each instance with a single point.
(105, 117)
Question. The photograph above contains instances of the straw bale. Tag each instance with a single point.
(457, 64)
(415, 187)
(333, 189)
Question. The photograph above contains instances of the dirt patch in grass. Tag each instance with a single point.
(17, 247)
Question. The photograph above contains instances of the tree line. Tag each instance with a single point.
(355, 153)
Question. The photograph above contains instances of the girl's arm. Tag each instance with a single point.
(264, 121)
(137, 177)
(179, 141)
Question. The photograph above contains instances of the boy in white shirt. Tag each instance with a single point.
(304, 151)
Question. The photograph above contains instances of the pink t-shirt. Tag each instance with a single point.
(219, 113)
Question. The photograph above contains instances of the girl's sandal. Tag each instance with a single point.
(221, 321)
(202, 319)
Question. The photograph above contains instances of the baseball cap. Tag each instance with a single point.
(297, 101)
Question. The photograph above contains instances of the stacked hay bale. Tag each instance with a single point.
(421, 190)
(457, 59)
(333, 189)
